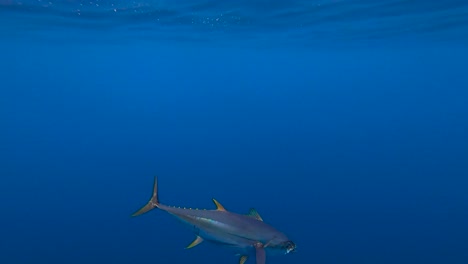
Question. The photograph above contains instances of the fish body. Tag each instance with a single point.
(244, 233)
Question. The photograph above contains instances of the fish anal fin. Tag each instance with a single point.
(195, 242)
(253, 213)
(243, 259)
(219, 207)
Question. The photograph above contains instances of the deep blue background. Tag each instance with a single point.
(359, 154)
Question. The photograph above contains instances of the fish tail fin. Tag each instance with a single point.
(152, 203)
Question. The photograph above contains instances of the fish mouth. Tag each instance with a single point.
(290, 247)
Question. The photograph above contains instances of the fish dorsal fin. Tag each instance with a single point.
(219, 207)
(195, 242)
(253, 213)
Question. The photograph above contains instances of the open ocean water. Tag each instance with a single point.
(343, 122)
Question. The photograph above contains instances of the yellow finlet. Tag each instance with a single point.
(219, 207)
(243, 259)
(195, 242)
(253, 213)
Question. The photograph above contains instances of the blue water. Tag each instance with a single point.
(344, 123)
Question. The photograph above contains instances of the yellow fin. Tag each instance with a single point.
(253, 213)
(195, 242)
(219, 207)
(243, 259)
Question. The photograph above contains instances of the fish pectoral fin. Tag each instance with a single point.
(219, 207)
(195, 242)
(260, 253)
(243, 259)
(253, 213)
